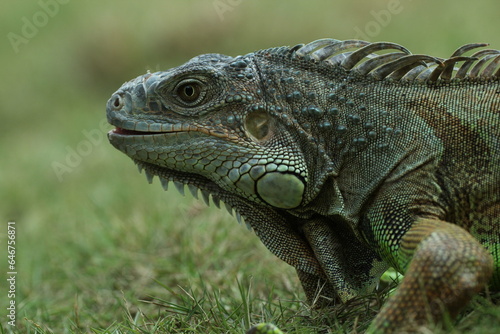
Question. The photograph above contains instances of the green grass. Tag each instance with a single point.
(101, 251)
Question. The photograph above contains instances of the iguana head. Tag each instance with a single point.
(208, 124)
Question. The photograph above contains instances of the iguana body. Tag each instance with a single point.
(344, 157)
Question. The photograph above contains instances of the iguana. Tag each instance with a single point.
(344, 157)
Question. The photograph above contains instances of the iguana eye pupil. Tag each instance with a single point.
(189, 92)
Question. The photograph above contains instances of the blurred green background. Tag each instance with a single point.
(93, 238)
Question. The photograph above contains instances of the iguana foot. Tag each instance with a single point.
(447, 268)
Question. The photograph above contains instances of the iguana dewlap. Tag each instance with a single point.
(344, 157)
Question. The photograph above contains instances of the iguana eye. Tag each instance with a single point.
(190, 92)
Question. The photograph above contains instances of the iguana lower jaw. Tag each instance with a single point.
(132, 143)
(258, 183)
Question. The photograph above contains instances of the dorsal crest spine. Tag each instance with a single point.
(390, 61)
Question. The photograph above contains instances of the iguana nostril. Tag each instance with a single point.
(117, 102)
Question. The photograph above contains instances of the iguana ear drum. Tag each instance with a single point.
(259, 125)
(281, 190)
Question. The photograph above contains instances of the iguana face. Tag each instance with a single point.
(205, 124)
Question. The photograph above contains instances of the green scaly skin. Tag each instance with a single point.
(343, 159)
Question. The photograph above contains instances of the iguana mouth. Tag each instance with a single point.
(125, 132)
(210, 132)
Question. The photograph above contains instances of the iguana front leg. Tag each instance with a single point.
(350, 267)
(446, 266)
